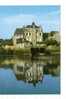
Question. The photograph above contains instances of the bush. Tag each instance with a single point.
(51, 42)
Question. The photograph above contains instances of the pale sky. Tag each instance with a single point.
(12, 17)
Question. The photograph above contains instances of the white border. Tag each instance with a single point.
(30, 2)
(63, 48)
(30, 97)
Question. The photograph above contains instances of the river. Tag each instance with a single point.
(30, 76)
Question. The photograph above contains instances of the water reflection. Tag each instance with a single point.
(32, 71)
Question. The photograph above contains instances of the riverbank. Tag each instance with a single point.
(30, 52)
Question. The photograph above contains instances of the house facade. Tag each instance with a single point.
(28, 36)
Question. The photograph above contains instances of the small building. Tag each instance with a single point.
(27, 36)
(54, 35)
(57, 36)
(11, 47)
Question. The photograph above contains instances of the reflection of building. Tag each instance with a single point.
(27, 36)
(34, 73)
(28, 72)
(19, 68)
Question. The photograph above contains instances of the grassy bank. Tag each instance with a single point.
(15, 52)
(34, 51)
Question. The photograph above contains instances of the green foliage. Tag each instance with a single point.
(45, 36)
(6, 52)
(52, 33)
(6, 42)
(52, 42)
(14, 52)
(22, 51)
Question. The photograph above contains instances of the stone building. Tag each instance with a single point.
(28, 36)
(54, 36)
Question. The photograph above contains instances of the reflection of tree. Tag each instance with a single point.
(52, 69)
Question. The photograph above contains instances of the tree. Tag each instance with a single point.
(51, 42)
(45, 36)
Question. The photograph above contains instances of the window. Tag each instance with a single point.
(19, 40)
(40, 34)
(29, 33)
(26, 34)
(19, 68)
(36, 31)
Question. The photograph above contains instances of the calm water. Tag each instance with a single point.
(28, 76)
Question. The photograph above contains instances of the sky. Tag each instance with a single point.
(12, 17)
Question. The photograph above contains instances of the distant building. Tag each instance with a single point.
(27, 36)
(11, 47)
(57, 36)
(54, 35)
